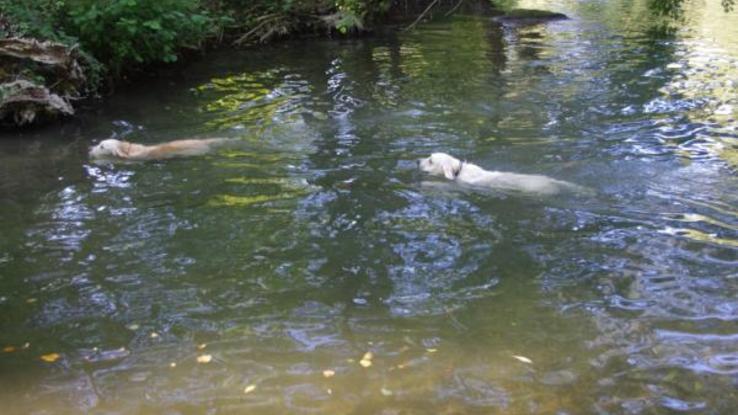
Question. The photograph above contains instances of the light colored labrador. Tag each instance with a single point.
(124, 150)
(442, 164)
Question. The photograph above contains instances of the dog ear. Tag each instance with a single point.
(123, 149)
(450, 170)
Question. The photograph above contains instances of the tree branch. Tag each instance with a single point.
(427, 9)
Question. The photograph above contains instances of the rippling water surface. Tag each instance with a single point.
(319, 272)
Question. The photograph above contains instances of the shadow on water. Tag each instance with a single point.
(314, 270)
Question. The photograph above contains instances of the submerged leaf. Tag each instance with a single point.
(205, 358)
(366, 360)
(51, 357)
(523, 359)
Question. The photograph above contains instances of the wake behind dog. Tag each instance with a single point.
(442, 164)
(112, 149)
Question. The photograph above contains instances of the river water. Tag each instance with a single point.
(314, 270)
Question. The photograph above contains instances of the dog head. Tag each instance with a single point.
(441, 164)
(111, 148)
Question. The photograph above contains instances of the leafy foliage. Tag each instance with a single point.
(265, 19)
(670, 8)
(675, 8)
(356, 12)
(35, 18)
(119, 32)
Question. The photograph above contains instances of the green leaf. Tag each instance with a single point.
(153, 25)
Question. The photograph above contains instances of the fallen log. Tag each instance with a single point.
(525, 17)
(23, 102)
(38, 80)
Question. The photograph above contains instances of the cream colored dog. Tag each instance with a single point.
(118, 149)
(442, 164)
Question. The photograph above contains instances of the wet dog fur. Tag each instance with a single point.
(125, 150)
(462, 172)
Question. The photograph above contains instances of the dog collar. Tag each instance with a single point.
(458, 172)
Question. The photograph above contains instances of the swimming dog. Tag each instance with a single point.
(124, 150)
(442, 164)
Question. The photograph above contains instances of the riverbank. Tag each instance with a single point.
(58, 53)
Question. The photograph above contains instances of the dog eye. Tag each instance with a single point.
(430, 161)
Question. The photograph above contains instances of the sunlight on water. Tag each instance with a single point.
(312, 269)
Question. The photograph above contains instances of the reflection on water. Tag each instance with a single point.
(314, 270)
